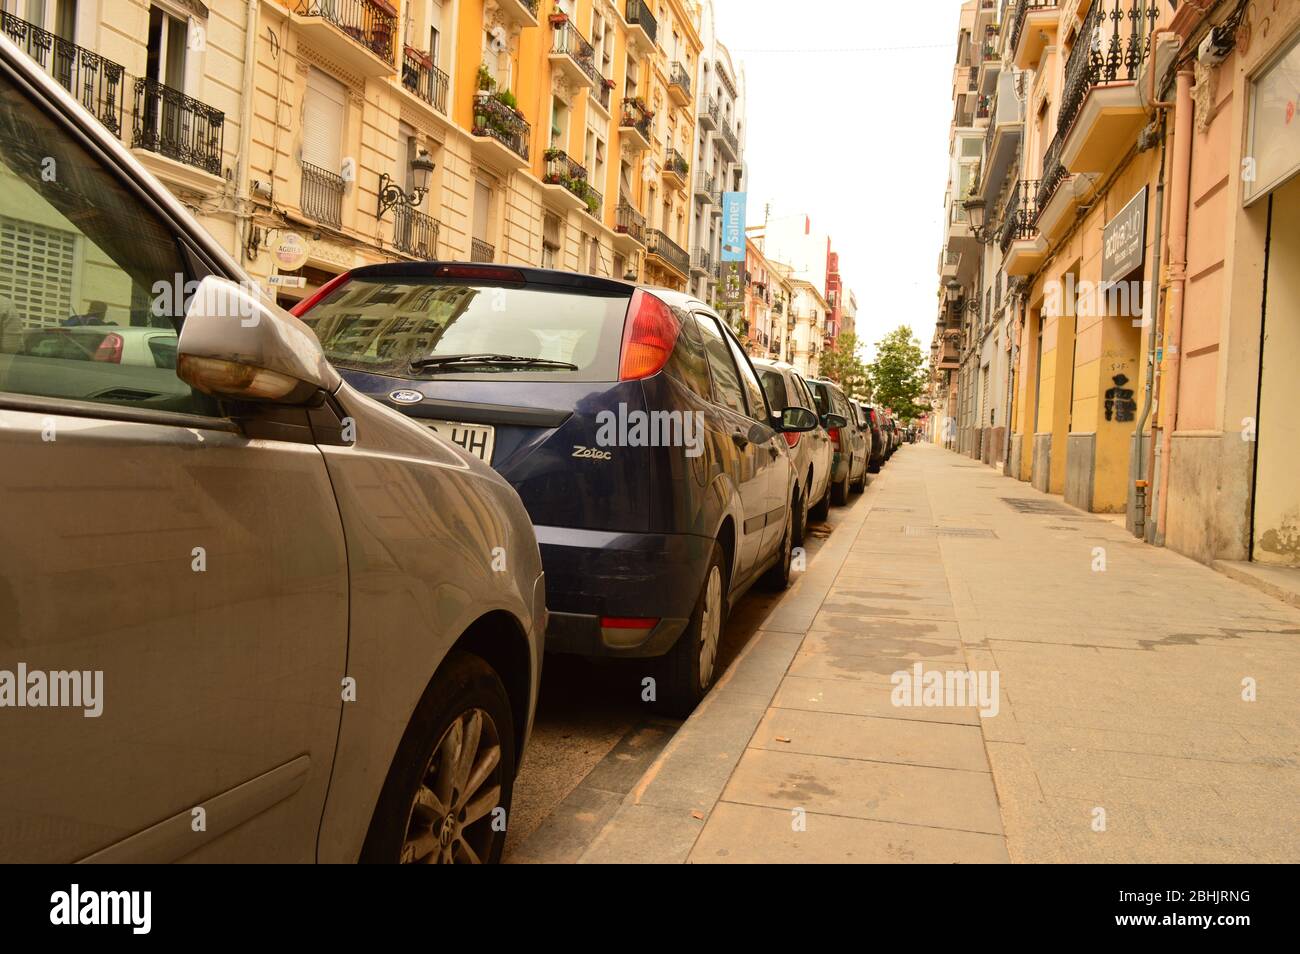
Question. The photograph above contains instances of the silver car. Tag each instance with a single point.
(248, 613)
(810, 452)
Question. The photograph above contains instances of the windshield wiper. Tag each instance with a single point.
(439, 361)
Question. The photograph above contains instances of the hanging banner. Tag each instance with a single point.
(733, 227)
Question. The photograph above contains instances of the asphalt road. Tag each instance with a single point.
(591, 723)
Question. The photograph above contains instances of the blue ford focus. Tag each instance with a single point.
(628, 419)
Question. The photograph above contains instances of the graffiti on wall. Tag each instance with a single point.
(1120, 405)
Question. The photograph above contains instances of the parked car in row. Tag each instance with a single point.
(630, 421)
(851, 449)
(275, 601)
(879, 439)
(811, 453)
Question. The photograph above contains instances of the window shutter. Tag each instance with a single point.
(323, 118)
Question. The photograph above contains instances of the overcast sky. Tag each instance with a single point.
(848, 111)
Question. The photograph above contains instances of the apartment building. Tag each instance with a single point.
(719, 164)
(1110, 292)
(767, 319)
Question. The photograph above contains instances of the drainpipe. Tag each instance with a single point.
(243, 201)
(1140, 466)
(1180, 188)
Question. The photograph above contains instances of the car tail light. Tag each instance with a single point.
(648, 337)
(626, 631)
(307, 304)
(480, 273)
(834, 432)
(628, 622)
(110, 349)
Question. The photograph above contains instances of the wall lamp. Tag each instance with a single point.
(391, 194)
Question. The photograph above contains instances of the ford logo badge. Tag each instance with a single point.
(406, 397)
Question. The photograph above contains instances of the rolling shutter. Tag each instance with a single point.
(324, 117)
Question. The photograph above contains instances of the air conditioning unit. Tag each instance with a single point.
(1166, 48)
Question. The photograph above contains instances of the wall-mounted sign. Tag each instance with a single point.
(733, 226)
(1124, 240)
(290, 252)
(286, 281)
(1273, 142)
(733, 288)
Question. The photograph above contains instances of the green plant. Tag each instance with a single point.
(485, 81)
(507, 98)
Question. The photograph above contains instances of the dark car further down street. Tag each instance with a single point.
(849, 467)
(629, 420)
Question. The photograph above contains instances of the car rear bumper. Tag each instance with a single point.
(592, 574)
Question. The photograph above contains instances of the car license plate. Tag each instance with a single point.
(478, 439)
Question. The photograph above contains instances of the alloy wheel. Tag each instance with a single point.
(450, 821)
(710, 625)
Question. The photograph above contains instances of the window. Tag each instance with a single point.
(753, 390)
(482, 210)
(774, 387)
(90, 304)
(551, 232)
(727, 389)
(324, 114)
(805, 394)
(165, 49)
(688, 363)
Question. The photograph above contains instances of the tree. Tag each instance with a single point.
(843, 366)
(897, 375)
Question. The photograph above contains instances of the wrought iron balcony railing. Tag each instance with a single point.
(1053, 174)
(676, 163)
(702, 260)
(1022, 11)
(677, 76)
(415, 232)
(168, 122)
(1020, 215)
(638, 14)
(425, 80)
(563, 170)
(710, 110)
(595, 202)
(705, 185)
(630, 222)
(1114, 40)
(365, 21)
(729, 135)
(569, 42)
(97, 82)
(481, 251)
(602, 93)
(657, 243)
(636, 116)
(498, 121)
(322, 195)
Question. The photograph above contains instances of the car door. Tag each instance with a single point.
(739, 456)
(177, 586)
(773, 453)
(821, 440)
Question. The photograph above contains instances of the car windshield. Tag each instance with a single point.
(774, 386)
(418, 329)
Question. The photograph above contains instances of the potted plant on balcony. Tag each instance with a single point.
(421, 57)
(486, 82)
(558, 18)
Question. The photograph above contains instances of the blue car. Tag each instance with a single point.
(628, 419)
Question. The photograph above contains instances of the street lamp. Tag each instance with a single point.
(391, 194)
(953, 291)
(975, 209)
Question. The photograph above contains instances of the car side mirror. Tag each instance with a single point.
(835, 420)
(798, 419)
(236, 344)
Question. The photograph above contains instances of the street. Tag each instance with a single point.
(1147, 708)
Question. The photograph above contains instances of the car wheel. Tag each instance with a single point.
(873, 468)
(822, 509)
(860, 485)
(689, 669)
(799, 514)
(840, 490)
(777, 578)
(454, 768)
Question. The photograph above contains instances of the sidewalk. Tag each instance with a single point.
(1121, 669)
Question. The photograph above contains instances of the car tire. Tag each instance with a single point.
(424, 811)
(840, 490)
(873, 467)
(777, 578)
(690, 667)
(821, 510)
(799, 514)
(860, 485)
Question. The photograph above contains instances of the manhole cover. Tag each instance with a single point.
(979, 532)
(1033, 505)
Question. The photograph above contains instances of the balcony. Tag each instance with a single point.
(520, 13)
(1101, 111)
(96, 82)
(170, 124)
(629, 228)
(709, 112)
(425, 80)
(600, 96)
(677, 171)
(1059, 192)
(635, 124)
(667, 252)
(360, 34)
(415, 233)
(706, 187)
(572, 55)
(643, 29)
(321, 197)
(565, 180)
(1022, 246)
(1001, 139)
(501, 134)
(481, 251)
(701, 262)
(727, 139)
(679, 84)
(1033, 27)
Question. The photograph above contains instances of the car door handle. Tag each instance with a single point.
(773, 452)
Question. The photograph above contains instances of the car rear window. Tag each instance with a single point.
(774, 387)
(383, 325)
